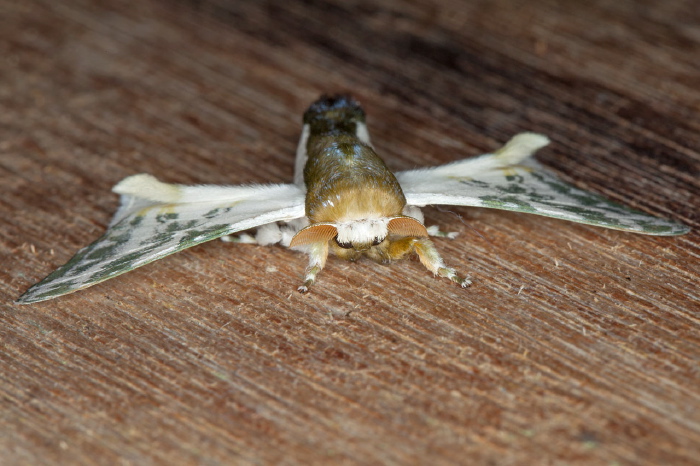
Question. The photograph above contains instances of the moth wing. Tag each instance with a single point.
(511, 180)
(158, 219)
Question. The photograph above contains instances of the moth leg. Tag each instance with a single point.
(434, 230)
(414, 212)
(265, 235)
(291, 228)
(318, 253)
(243, 238)
(268, 234)
(429, 257)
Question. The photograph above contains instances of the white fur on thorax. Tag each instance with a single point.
(362, 231)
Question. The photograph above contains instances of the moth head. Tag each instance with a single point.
(334, 113)
(348, 239)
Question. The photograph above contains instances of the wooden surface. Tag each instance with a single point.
(575, 345)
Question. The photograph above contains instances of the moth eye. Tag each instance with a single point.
(377, 241)
(342, 244)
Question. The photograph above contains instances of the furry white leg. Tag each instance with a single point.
(243, 238)
(434, 230)
(414, 212)
(291, 228)
(318, 253)
(431, 259)
(266, 235)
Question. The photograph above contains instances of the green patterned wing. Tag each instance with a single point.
(158, 219)
(511, 180)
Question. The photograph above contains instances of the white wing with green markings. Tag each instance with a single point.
(158, 219)
(510, 179)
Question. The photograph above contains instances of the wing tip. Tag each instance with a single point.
(28, 297)
(32, 296)
(522, 146)
(145, 186)
(677, 229)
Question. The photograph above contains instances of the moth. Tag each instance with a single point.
(344, 201)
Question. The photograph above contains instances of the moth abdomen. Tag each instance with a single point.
(345, 179)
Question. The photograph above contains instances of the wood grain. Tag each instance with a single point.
(575, 345)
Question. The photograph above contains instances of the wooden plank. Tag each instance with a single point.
(574, 345)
